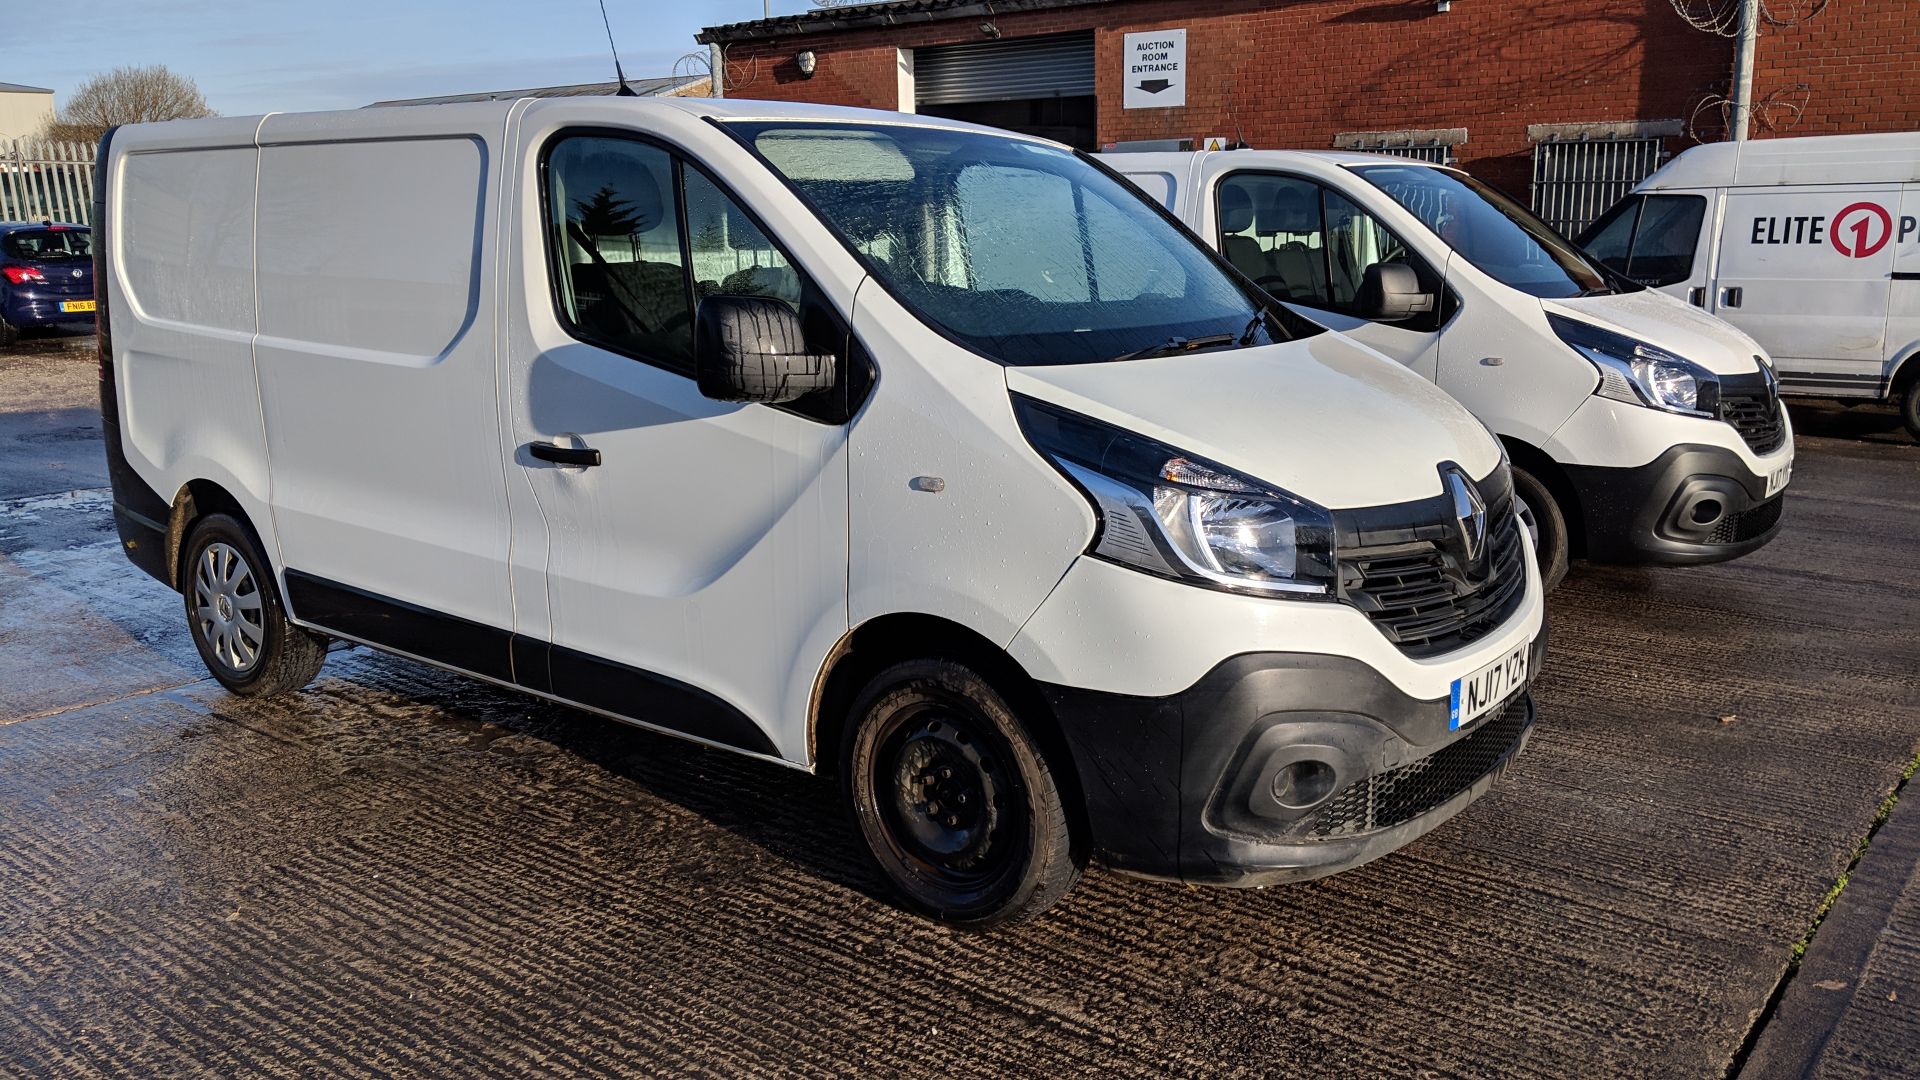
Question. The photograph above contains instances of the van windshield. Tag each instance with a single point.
(1498, 236)
(1024, 252)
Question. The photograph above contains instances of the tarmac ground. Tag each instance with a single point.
(404, 872)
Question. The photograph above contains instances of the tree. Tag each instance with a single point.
(127, 95)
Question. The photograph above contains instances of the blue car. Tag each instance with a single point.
(46, 277)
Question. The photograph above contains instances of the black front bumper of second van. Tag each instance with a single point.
(1693, 504)
(1186, 787)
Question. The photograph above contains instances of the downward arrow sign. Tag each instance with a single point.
(1154, 86)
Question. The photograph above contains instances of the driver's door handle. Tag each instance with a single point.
(584, 456)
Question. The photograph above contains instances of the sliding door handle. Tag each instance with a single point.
(584, 456)
(1731, 295)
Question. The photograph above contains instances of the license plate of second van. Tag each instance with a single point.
(1476, 694)
(1777, 479)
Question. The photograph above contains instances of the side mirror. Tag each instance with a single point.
(1390, 292)
(751, 348)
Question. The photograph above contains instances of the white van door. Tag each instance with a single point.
(1903, 300)
(376, 369)
(1806, 271)
(1308, 245)
(696, 550)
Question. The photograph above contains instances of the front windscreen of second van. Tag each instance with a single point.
(1498, 236)
(1020, 250)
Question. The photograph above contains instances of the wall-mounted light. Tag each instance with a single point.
(1443, 6)
(990, 30)
(807, 62)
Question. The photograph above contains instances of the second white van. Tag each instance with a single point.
(884, 446)
(1641, 430)
(1811, 245)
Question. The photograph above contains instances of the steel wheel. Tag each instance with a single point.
(226, 607)
(948, 813)
(955, 798)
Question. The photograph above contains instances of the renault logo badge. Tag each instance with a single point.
(1470, 508)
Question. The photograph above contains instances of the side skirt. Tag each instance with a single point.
(628, 694)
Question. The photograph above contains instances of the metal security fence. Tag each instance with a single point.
(46, 181)
(1575, 182)
(1438, 153)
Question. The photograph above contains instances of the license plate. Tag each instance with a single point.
(76, 305)
(1474, 695)
(1777, 479)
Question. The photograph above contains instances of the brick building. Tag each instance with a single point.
(1565, 102)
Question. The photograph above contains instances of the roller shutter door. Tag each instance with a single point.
(1058, 65)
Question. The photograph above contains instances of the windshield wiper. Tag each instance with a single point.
(1176, 345)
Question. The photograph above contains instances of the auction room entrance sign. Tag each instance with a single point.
(1156, 69)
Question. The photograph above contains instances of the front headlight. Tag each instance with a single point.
(1181, 516)
(1638, 373)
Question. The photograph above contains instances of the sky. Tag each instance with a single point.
(291, 55)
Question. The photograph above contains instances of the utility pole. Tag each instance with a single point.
(716, 70)
(1742, 119)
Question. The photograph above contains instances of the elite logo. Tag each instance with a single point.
(1858, 222)
(1859, 230)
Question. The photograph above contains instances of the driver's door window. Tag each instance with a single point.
(1355, 241)
(620, 273)
(1307, 244)
(1271, 230)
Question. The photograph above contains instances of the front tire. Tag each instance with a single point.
(1545, 525)
(954, 798)
(1910, 409)
(235, 615)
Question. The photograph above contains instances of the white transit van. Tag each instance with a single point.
(1811, 245)
(907, 450)
(1641, 430)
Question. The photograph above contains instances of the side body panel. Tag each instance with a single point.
(1805, 270)
(376, 356)
(987, 544)
(181, 202)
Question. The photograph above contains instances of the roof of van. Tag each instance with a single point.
(1129, 161)
(718, 108)
(1893, 157)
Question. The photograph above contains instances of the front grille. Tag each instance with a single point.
(1753, 408)
(1424, 598)
(1396, 796)
(1749, 523)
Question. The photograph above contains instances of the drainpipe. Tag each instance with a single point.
(1743, 69)
(717, 71)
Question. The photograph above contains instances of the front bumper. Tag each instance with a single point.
(1693, 504)
(1182, 787)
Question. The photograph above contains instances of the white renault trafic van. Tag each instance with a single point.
(1811, 245)
(1641, 431)
(900, 448)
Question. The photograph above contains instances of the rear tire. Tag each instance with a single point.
(235, 615)
(1910, 408)
(9, 333)
(954, 797)
(1545, 524)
